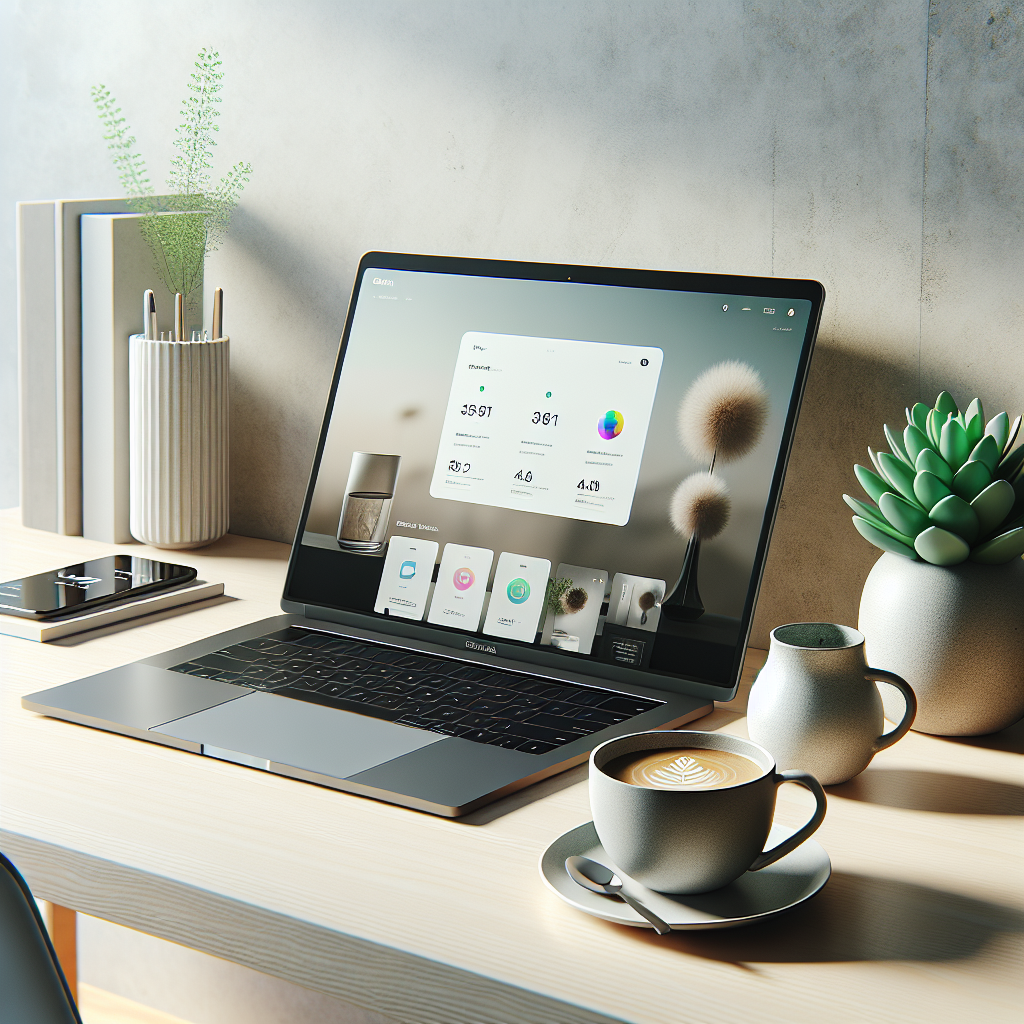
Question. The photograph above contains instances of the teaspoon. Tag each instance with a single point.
(598, 878)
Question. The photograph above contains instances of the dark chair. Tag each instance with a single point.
(33, 989)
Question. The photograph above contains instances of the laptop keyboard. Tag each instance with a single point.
(495, 706)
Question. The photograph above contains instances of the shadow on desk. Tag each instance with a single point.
(933, 791)
(1010, 739)
(858, 918)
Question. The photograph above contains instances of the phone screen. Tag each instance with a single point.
(80, 587)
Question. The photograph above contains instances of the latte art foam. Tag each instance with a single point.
(693, 768)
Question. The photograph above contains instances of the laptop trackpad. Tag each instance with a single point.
(297, 733)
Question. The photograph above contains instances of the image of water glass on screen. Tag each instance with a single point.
(366, 508)
(574, 599)
(635, 601)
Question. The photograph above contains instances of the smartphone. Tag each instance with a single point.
(81, 588)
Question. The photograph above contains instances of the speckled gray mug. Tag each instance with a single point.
(691, 841)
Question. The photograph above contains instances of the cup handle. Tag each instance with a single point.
(808, 781)
(887, 739)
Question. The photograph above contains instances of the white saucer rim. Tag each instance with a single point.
(715, 924)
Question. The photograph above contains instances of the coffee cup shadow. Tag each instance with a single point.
(943, 792)
(857, 918)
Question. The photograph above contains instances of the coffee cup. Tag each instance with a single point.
(688, 812)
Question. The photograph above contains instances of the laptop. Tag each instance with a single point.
(493, 570)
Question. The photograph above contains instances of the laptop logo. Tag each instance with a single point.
(481, 647)
(407, 571)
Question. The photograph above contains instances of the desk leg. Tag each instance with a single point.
(63, 927)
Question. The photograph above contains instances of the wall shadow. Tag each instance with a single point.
(858, 918)
(1010, 739)
(944, 792)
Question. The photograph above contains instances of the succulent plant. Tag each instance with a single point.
(950, 488)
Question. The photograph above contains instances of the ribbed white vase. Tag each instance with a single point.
(178, 416)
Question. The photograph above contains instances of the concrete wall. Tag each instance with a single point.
(875, 146)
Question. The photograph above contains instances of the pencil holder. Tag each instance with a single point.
(178, 417)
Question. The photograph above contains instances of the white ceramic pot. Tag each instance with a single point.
(815, 704)
(956, 634)
(178, 417)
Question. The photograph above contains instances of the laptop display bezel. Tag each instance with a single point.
(307, 578)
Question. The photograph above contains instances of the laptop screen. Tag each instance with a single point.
(574, 467)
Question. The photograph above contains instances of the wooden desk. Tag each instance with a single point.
(426, 919)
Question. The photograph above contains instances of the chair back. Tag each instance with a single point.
(32, 985)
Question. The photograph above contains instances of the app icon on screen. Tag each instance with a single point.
(464, 578)
(518, 591)
(403, 590)
(407, 571)
(610, 424)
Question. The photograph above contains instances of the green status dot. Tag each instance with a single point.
(548, 395)
(481, 387)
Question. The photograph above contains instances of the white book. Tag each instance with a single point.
(117, 267)
(34, 629)
(49, 359)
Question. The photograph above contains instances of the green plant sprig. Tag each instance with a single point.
(180, 243)
(557, 589)
(949, 489)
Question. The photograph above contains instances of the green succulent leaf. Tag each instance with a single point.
(993, 505)
(1010, 466)
(945, 404)
(999, 428)
(934, 426)
(908, 518)
(866, 511)
(987, 450)
(881, 539)
(955, 515)
(953, 446)
(914, 442)
(940, 547)
(929, 489)
(874, 486)
(971, 479)
(930, 461)
(1013, 435)
(873, 456)
(919, 417)
(896, 445)
(975, 422)
(898, 473)
(998, 550)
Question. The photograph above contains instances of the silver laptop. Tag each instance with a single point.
(495, 569)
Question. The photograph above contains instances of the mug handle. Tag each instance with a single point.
(808, 781)
(887, 739)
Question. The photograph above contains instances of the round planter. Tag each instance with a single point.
(956, 634)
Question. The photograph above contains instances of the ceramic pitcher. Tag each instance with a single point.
(815, 704)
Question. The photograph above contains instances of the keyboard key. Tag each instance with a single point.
(486, 707)
(560, 707)
(477, 721)
(330, 689)
(242, 653)
(222, 662)
(518, 711)
(445, 714)
(563, 724)
(506, 741)
(427, 694)
(384, 700)
(628, 706)
(479, 736)
(538, 732)
(263, 643)
(448, 728)
(535, 747)
(257, 672)
(313, 640)
(597, 716)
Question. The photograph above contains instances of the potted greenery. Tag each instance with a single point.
(202, 210)
(944, 605)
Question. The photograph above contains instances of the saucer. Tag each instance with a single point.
(754, 896)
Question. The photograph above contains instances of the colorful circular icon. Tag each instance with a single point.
(610, 424)
(464, 579)
(518, 591)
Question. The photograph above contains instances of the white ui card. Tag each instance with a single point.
(547, 425)
(517, 597)
(461, 586)
(408, 568)
(580, 597)
(636, 601)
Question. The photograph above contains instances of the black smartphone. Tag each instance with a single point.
(81, 588)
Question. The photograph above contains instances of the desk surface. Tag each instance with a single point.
(401, 912)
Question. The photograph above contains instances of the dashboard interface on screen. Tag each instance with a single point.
(525, 461)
